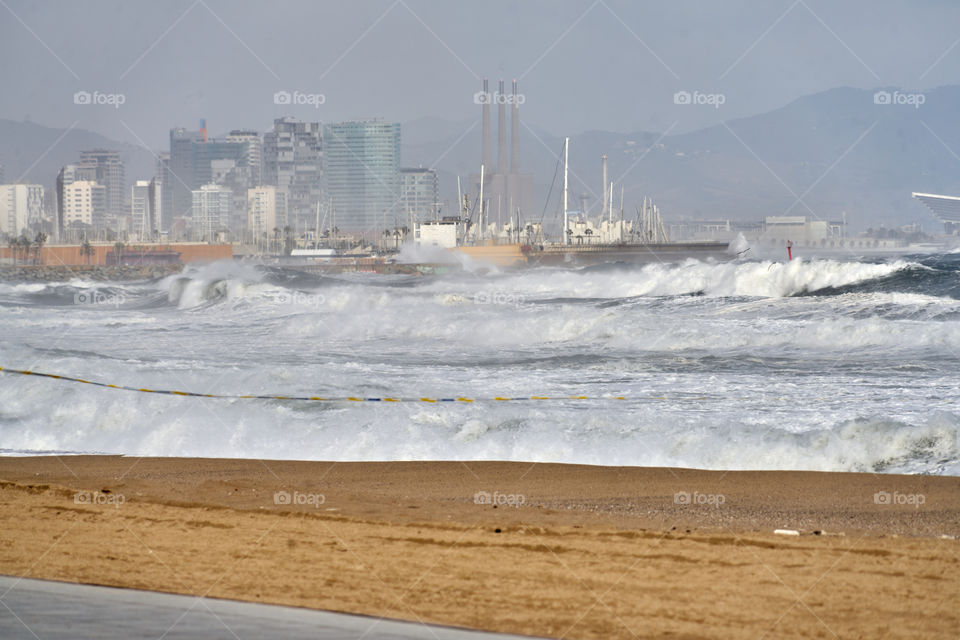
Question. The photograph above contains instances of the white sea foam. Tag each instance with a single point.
(744, 374)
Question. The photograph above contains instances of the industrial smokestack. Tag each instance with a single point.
(501, 131)
(515, 133)
(485, 144)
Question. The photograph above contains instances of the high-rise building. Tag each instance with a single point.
(141, 210)
(81, 201)
(419, 195)
(362, 173)
(293, 161)
(177, 178)
(68, 175)
(195, 161)
(266, 211)
(254, 152)
(210, 211)
(109, 172)
(21, 206)
(155, 203)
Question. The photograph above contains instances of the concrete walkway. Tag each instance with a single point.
(45, 610)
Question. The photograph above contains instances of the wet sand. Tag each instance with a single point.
(539, 549)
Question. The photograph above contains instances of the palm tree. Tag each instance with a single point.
(39, 241)
(25, 244)
(14, 244)
(86, 249)
(276, 239)
(118, 251)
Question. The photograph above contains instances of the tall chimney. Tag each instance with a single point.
(485, 144)
(501, 131)
(603, 209)
(515, 133)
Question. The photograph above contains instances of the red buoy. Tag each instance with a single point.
(789, 250)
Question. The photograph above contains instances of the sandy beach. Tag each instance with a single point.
(540, 549)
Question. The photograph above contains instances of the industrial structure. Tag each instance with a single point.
(507, 191)
(945, 208)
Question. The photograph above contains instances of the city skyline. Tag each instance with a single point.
(601, 66)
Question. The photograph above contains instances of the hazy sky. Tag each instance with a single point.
(606, 65)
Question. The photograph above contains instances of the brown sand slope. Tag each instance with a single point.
(593, 552)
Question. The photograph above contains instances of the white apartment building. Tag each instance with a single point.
(20, 206)
(81, 200)
(266, 211)
(210, 211)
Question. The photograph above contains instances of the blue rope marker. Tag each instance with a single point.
(192, 394)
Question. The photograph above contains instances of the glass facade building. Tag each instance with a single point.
(362, 174)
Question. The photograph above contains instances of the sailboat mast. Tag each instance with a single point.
(481, 202)
(610, 207)
(621, 212)
(566, 158)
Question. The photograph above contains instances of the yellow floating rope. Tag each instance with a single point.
(191, 394)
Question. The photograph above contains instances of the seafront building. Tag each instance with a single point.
(21, 205)
(107, 169)
(210, 212)
(362, 173)
(155, 195)
(293, 158)
(419, 195)
(266, 211)
(801, 231)
(145, 209)
(195, 160)
(254, 156)
(177, 176)
(82, 200)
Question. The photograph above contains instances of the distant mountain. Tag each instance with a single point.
(35, 153)
(837, 151)
(758, 166)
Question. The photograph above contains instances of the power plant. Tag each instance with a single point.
(507, 192)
